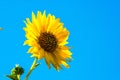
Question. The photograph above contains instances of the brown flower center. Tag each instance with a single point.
(48, 42)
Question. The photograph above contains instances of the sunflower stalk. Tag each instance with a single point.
(18, 76)
(34, 65)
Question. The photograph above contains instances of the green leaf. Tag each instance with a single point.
(12, 77)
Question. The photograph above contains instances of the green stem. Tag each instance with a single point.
(18, 76)
(34, 65)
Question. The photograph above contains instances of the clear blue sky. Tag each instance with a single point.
(95, 36)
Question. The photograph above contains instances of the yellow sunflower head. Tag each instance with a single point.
(47, 38)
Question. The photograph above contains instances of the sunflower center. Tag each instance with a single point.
(48, 42)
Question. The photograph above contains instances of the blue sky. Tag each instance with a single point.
(94, 27)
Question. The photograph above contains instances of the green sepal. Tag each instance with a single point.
(12, 77)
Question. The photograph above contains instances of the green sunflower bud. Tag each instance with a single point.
(18, 70)
(16, 73)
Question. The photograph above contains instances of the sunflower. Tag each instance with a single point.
(47, 38)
